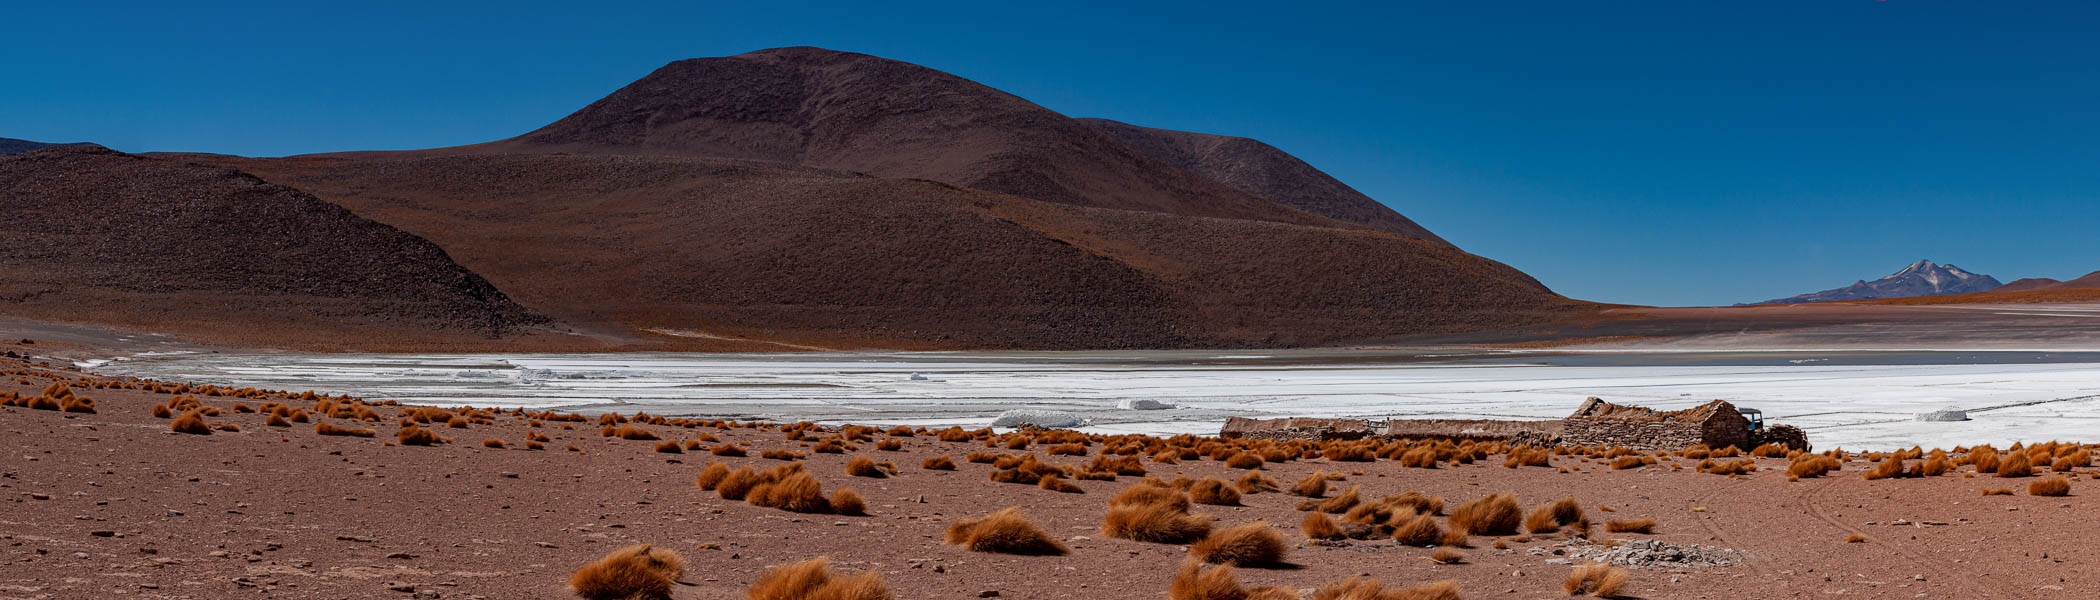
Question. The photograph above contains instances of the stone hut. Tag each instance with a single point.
(1534, 433)
(1716, 424)
(1296, 429)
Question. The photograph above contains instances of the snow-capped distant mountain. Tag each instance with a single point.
(1922, 278)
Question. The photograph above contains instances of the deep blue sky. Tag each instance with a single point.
(1697, 152)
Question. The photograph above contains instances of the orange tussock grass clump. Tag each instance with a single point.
(1005, 532)
(2079, 458)
(2015, 464)
(1357, 588)
(630, 432)
(1067, 450)
(1312, 486)
(1984, 458)
(326, 428)
(632, 573)
(1254, 483)
(1888, 469)
(808, 580)
(890, 445)
(1419, 458)
(1548, 518)
(1626, 462)
(1245, 460)
(799, 492)
(1162, 523)
(2053, 486)
(669, 447)
(1195, 582)
(1998, 492)
(1250, 545)
(738, 484)
(861, 466)
(1447, 556)
(276, 421)
(1342, 503)
(845, 501)
(1602, 581)
(1318, 526)
(191, 422)
(492, 443)
(1812, 465)
(1152, 491)
(1058, 484)
(938, 463)
(1631, 526)
(1213, 492)
(1855, 539)
(1420, 531)
(418, 436)
(711, 475)
(1496, 514)
(727, 450)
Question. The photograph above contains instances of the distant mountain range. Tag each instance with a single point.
(15, 146)
(2089, 281)
(1922, 278)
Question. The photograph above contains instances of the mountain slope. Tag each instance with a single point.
(1922, 278)
(184, 247)
(2089, 281)
(15, 146)
(828, 259)
(1262, 170)
(859, 113)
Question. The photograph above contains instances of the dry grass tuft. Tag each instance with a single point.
(808, 580)
(798, 492)
(1313, 486)
(492, 443)
(1447, 556)
(411, 435)
(2015, 464)
(1250, 545)
(845, 501)
(1419, 531)
(631, 573)
(1356, 588)
(2053, 486)
(1058, 484)
(1855, 539)
(1005, 532)
(861, 466)
(711, 475)
(938, 463)
(669, 447)
(1213, 492)
(1602, 581)
(1162, 523)
(326, 428)
(1998, 492)
(1548, 518)
(1318, 526)
(191, 422)
(1631, 526)
(727, 450)
(1496, 514)
(1254, 483)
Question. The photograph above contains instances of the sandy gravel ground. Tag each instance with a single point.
(114, 505)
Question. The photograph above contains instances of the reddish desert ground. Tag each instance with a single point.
(114, 504)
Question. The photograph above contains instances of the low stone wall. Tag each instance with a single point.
(1316, 430)
(1534, 433)
(1639, 435)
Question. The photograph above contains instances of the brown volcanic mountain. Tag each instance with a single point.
(99, 236)
(823, 258)
(859, 113)
(1262, 170)
(2089, 281)
(831, 199)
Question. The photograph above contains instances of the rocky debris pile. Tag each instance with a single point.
(1947, 414)
(1142, 404)
(1646, 554)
